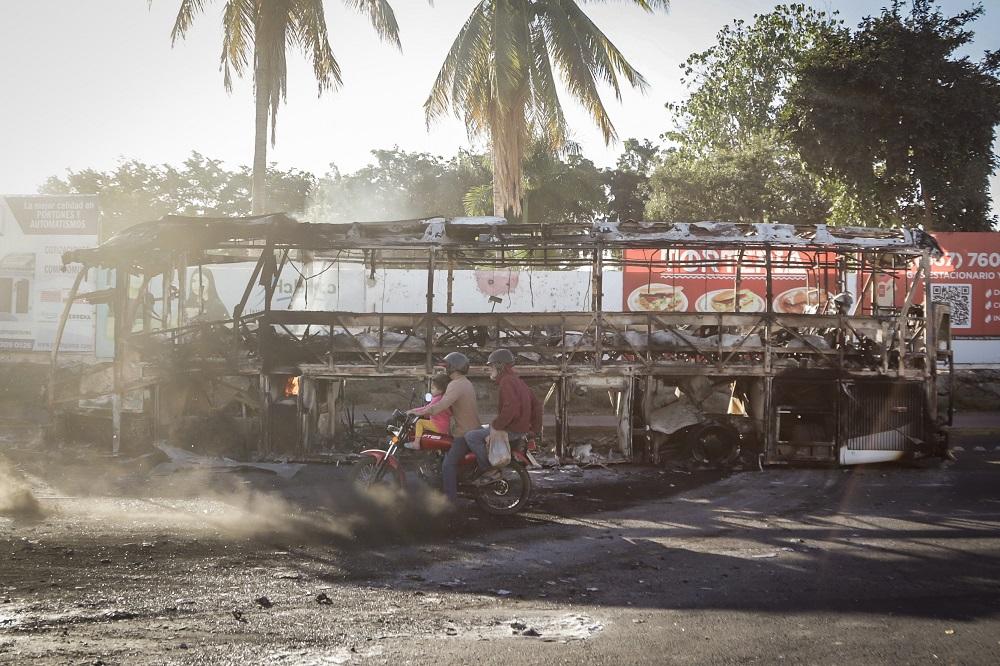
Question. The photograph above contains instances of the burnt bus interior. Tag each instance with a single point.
(845, 380)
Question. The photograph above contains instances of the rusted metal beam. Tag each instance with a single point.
(121, 326)
(429, 326)
(81, 275)
(251, 283)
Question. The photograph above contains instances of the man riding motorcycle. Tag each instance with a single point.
(460, 396)
(519, 412)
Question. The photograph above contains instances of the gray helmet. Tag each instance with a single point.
(500, 357)
(456, 362)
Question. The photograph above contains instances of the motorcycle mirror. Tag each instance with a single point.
(428, 396)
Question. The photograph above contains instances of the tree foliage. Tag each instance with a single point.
(738, 85)
(894, 112)
(758, 181)
(404, 185)
(399, 185)
(500, 77)
(628, 183)
(396, 185)
(134, 191)
(731, 158)
(561, 189)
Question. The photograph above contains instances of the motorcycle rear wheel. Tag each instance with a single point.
(508, 495)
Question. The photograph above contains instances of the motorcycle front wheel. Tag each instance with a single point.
(365, 474)
(509, 494)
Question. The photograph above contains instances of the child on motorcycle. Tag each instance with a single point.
(439, 423)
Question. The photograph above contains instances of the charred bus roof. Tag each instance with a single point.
(235, 236)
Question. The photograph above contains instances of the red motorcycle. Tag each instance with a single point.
(504, 492)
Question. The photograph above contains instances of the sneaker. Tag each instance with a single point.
(487, 478)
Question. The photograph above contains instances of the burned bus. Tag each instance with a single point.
(789, 351)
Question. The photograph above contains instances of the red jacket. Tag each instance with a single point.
(520, 410)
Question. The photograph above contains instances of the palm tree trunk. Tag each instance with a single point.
(508, 143)
(506, 185)
(258, 188)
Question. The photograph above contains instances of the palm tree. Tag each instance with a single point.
(499, 76)
(260, 32)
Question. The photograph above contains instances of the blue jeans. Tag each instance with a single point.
(475, 441)
(470, 441)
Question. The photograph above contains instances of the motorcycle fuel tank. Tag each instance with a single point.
(435, 442)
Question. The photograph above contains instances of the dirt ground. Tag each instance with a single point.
(119, 565)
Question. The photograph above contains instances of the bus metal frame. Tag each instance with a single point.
(875, 366)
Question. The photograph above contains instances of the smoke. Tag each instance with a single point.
(320, 504)
(337, 513)
(16, 498)
(352, 199)
(323, 507)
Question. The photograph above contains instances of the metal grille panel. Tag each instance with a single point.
(883, 416)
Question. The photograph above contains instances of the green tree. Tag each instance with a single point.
(258, 33)
(899, 117)
(559, 188)
(500, 77)
(738, 85)
(757, 181)
(403, 185)
(628, 182)
(398, 185)
(732, 158)
(134, 191)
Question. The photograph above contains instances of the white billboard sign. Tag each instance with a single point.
(34, 285)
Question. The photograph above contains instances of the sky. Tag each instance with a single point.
(91, 83)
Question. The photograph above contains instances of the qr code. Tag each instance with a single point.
(959, 296)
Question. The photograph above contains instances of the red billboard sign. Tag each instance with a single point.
(967, 276)
(708, 280)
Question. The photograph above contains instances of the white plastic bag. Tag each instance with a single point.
(498, 448)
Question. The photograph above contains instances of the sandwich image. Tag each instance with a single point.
(799, 300)
(658, 298)
(726, 300)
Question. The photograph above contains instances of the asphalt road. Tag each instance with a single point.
(875, 565)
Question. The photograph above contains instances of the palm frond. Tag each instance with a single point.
(608, 60)
(185, 16)
(511, 43)
(478, 200)
(308, 31)
(646, 5)
(575, 64)
(237, 38)
(382, 17)
(464, 56)
(545, 105)
(271, 36)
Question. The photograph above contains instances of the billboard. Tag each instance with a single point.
(967, 276)
(34, 233)
(705, 280)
